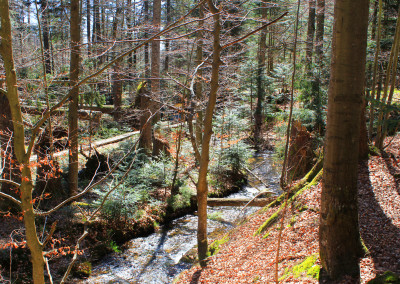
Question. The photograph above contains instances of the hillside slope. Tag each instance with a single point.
(250, 258)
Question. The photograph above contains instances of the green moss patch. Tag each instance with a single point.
(386, 278)
(215, 247)
(308, 268)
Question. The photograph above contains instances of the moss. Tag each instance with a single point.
(364, 247)
(386, 278)
(274, 217)
(82, 270)
(270, 221)
(308, 267)
(292, 221)
(374, 151)
(214, 248)
(266, 235)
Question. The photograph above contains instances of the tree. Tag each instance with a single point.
(46, 37)
(258, 114)
(75, 31)
(310, 35)
(339, 231)
(22, 155)
(202, 186)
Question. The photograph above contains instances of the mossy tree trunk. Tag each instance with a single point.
(339, 240)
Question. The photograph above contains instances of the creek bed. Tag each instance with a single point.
(158, 258)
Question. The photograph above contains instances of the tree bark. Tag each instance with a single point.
(73, 104)
(339, 236)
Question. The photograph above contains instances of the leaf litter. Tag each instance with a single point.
(249, 258)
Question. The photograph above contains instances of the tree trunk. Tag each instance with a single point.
(316, 83)
(258, 114)
(310, 35)
(145, 125)
(10, 167)
(319, 34)
(202, 186)
(88, 25)
(168, 12)
(155, 57)
(339, 240)
(73, 104)
(199, 84)
(116, 77)
(44, 5)
(146, 46)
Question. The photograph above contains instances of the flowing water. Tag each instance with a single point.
(159, 257)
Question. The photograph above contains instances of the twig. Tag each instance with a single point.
(255, 31)
(52, 229)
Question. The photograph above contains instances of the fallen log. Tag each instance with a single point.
(257, 202)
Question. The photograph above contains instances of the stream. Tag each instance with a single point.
(159, 257)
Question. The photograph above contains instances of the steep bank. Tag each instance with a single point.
(250, 258)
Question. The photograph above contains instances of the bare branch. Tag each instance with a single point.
(9, 197)
(46, 115)
(255, 31)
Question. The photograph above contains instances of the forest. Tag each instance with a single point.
(206, 141)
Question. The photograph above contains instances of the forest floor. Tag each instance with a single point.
(250, 258)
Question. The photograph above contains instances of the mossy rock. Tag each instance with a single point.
(386, 278)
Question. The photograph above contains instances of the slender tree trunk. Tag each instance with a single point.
(375, 72)
(319, 34)
(46, 37)
(340, 246)
(166, 63)
(88, 25)
(258, 114)
(199, 85)
(310, 35)
(116, 77)
(202, 186)
(73, 104)
(146, 46)
(155, 55)
(319, 59)
(26, 186)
